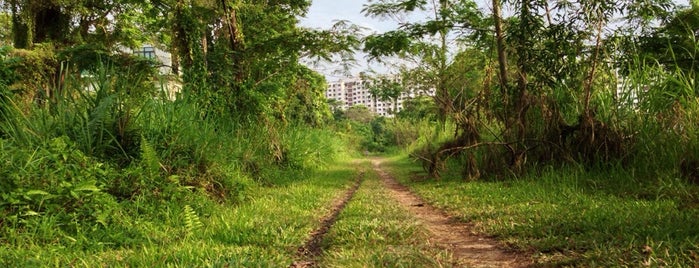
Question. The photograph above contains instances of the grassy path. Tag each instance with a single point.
(375, 231)
(567, 218)
(469, 249)
(308, 253)
(384, 225)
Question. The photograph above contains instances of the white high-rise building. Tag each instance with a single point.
(356, 91)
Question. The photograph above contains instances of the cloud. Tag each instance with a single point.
(324, 13)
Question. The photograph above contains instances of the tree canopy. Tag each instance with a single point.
(547, 75)
(239, 57)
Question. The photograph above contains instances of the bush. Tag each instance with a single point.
(34, 72)
(54, 180)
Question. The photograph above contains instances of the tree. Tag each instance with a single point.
(304, 102)
(5, 29)
(674, 44)
(418, 108)
(359, 113)
(237, 57)
(386, 89)
(428, 46)
(69, 22)
(425, 44)
(554, 73)
(240, 57)
(563, 54)
(499, 37)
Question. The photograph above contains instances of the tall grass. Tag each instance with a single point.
(663, 117)
(110, 163)
(97, 112)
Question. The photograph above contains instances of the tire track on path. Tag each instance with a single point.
(307, 254)
(469, 249)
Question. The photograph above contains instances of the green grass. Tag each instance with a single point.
(573, 217)
(264, 231)
(374, 231)
(108, 177)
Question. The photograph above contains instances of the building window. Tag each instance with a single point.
(146, 52)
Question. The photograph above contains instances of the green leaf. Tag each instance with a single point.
(31, 213)
(87, 186)
(36, 192)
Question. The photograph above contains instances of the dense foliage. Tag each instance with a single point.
(555, 83)
(96, 141)
(590, 105)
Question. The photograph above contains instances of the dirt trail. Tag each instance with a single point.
(307, 254)
(469, 249)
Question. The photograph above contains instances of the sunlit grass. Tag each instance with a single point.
(265, 231)
(374, 231)
(107, 177)
(574, 217)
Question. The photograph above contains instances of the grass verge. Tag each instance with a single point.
(263, 232)
(571, 217)
(374, 231)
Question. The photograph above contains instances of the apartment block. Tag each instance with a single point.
(356, 91)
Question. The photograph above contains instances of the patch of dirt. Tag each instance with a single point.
(307, 254)
(470, 249)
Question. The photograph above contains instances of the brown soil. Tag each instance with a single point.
(307, 254)
(469, 249)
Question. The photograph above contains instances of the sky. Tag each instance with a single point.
(324, 13)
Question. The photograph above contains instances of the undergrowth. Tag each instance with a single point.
(112, 171)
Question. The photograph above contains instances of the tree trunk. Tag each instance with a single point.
(521, 105)
(51, 24)
(175, 57)
(180, 38)
(502, 56)
(442, 92)
(235, 36)
(591, 75)
(21, 34)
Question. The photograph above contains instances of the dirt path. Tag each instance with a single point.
(469, 249)
(307, 254)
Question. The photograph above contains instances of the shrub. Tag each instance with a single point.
(54, 180)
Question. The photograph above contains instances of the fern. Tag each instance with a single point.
(191, 220)
(149, 157)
